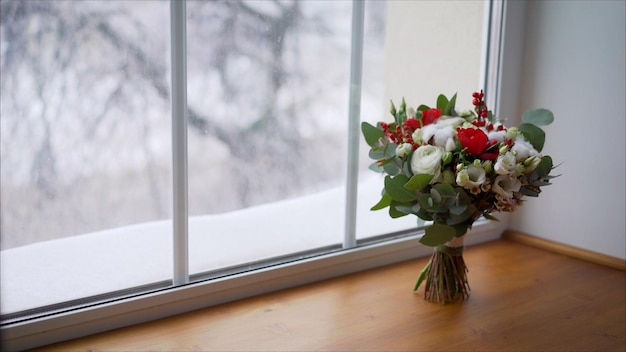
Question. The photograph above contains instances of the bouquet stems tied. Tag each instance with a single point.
(445, 275)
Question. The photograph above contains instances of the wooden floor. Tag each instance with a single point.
(522, 299)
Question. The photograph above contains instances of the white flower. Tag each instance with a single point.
(471, 177)
(428, 132)
(522, 149)
(499, 136)
(506, 185)
(427, 160)
(417, 136)
(505, 164)
(442, 132)
(445, 121)
(403, 150)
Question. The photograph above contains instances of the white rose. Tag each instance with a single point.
(471, 177)
(522, 149)
(427, 160)
(505, 164)
(505, 186)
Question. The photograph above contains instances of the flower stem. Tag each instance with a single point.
(445, 275)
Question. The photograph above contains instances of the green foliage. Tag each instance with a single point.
(533, 134)
(452, 207)
(371, 133)
(418, 181)
(438, 234)
(538, 117)
(394, 186)
(384, 202)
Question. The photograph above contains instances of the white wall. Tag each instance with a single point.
(574, 64)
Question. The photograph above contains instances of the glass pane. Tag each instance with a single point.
(85, 125)
(268, 92)
(426, 54)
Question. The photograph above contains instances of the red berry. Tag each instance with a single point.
(484, 113)
(475, 101)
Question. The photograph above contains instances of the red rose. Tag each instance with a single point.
(430, 116)
(472, 139)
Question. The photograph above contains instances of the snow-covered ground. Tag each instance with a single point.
(75, 267)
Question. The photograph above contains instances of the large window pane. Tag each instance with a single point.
(85, 138)
(431, 48)
(269, 87)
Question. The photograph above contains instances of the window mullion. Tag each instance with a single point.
(354, 112)
(179, 141)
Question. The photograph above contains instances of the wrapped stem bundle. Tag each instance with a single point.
(445, 274)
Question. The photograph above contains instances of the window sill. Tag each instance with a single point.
(90, 320)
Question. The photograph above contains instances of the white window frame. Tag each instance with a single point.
(504, 21)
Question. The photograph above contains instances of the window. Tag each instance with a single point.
(268, 140)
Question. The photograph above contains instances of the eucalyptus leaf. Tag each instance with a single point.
(394, 186)
(435, 195)
(372, 134)
(394, 212)
(418, 181)
(438, 234)
(377, 153)
(376, 168)
(391, 167)
(533, 134)
(539, 117)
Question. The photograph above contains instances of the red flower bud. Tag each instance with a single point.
(430, 116)
(412, 124)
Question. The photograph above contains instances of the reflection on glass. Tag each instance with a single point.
(85, 149)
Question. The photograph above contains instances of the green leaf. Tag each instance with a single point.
(390, 167)
(538, 117)
(371, 133)
(437, 234)
(545, 166)
(423, 107)
(384, 202)
(394, 212)
(449, 108)
(395, 188)
(461, 229)
(418, 181)
(490, 217)
(442, 101)
(533, 134)
(392, 110)
(375, 167)
(421, 277)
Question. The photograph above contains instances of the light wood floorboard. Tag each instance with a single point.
(522, 299)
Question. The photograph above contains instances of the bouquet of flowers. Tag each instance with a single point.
(452, 168)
